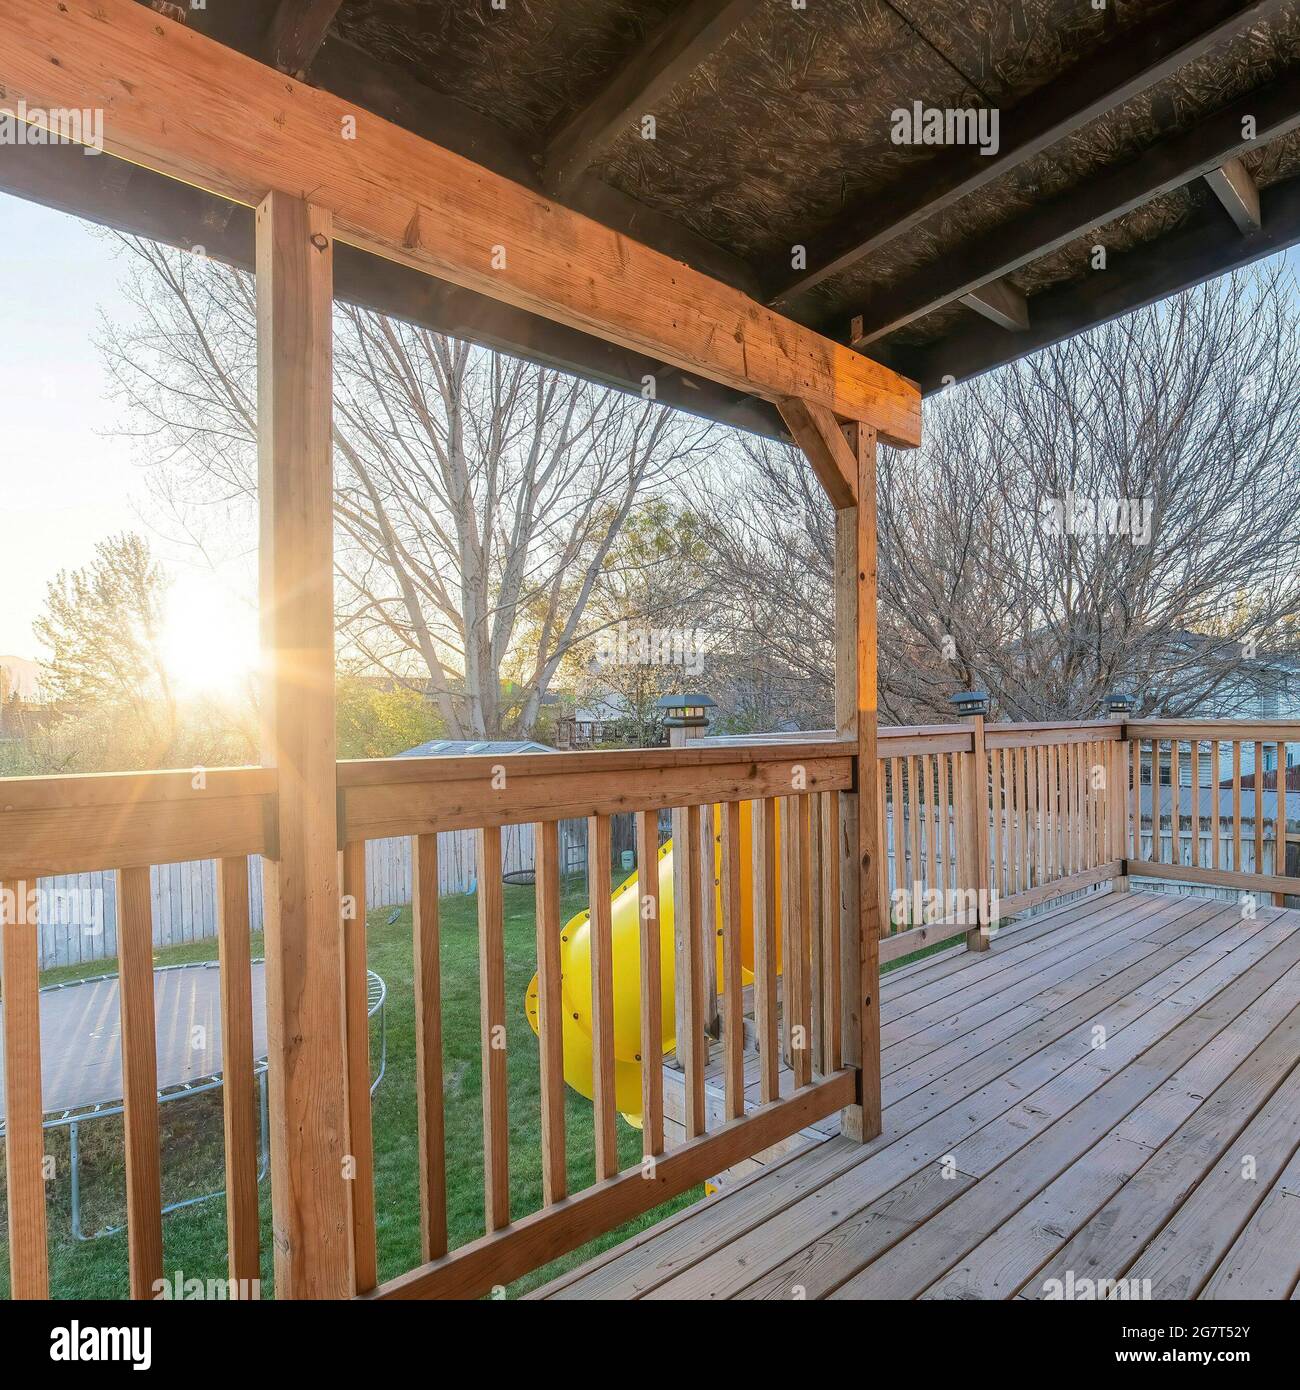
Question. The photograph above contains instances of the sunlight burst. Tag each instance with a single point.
(209, 643)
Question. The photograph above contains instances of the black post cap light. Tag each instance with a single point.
(1117, 702)
(970, 702)
(685, 711)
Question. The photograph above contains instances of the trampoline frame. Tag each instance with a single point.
(376, 998)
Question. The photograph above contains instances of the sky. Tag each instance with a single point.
(67, 482)
(69, 479)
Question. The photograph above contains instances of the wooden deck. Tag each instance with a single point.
(1111, 1092)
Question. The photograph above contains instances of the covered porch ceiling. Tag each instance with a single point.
(1163, 131)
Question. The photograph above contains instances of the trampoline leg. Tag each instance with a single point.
(74, 1159)
(266, 1125)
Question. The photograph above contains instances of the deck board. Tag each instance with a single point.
(1015, 1150)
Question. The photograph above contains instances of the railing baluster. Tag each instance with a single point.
(732, 1005)
(602, 995)
(1176, 804)
(930, 793)
(426, 946)
(29, 1262)
(239, 1083)
(1236, 804)
(692, 1049)
(945, 830)
(1135, 805)
(1194, 752)
(815, 935)
(139, 1081)
(1279, 824)
(887, 834)
(831, 982)
(1259, 806)
(652, 1069)
(765, 926)
(550, 1006)
(1216, 754)
(915, 869)
(796, 900)
(357, 1017)
(492, 1024)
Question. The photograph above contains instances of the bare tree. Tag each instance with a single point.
(1116, 511)
(476, 496)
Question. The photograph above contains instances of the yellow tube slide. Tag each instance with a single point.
(625, 920)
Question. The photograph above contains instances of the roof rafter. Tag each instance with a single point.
(685, 39)
(1136, 61)
(297, 30)
(1177, 160)
(1210, 245)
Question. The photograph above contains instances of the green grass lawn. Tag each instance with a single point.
(195, 1238)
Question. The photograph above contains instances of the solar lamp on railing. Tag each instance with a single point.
(969, 703)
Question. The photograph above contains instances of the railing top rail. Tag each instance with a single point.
(1261, 729)
(132, 788)
(371, 772)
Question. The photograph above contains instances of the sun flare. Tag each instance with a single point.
(209, 641)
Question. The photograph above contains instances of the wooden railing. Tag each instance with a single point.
(64, 825)
(977, 822)
(792, 791)
(1224, 828)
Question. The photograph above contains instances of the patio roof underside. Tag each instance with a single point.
(773, 130)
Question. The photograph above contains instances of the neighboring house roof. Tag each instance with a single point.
(20, 677)
(464, 747)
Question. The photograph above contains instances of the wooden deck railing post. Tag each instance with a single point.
(860, 839)
(310, 1196)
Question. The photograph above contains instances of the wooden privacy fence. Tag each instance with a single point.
(977, 822)
(79, 925)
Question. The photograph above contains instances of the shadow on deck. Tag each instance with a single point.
(1110, 1093)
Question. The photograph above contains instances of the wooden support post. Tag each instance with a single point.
(861, 859)
(979, 812)
(310, 1194)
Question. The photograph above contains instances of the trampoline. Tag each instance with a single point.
(81, 1053)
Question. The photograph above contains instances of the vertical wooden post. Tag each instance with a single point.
(310, 1197)
(977, 803)
(855, 717)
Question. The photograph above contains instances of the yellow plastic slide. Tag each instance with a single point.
(575, 966)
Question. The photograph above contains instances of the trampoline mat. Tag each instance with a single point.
(81, 1035)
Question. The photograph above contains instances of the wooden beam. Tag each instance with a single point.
(681, 43)
(177, 102)
(1169, 164)
(310, 1194)
(1137, 60)
(1001, 303)
(818, 434)
(178, 215)
(1233, 185)
(297, 30)
(1208, 246)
